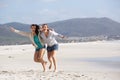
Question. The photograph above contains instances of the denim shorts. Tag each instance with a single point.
(52, 48)
(37, 49)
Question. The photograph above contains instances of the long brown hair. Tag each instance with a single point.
(37, 28)
(48, 27)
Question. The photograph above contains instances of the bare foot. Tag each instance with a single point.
(44, 70)
(45, 63)
(44, 66)
(55, 70)
(50, 66)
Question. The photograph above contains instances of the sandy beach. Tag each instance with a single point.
(98, 60)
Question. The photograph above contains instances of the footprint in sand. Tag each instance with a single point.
(10, 57)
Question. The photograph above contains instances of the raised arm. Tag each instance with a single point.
(57, 34)
(19, 32)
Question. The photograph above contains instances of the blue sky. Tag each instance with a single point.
(44, 11)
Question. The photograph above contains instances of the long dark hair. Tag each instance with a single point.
(37, 28)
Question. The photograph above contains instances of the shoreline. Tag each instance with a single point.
(71, 42)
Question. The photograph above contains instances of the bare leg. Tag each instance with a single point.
(40, 56)
(36, 56)
(41, 53)
(50, 59)
(53, 54)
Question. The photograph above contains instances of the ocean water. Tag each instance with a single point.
(105, 59)
(90, 56)
(93, 64)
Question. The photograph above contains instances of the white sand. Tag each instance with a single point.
(76, 61)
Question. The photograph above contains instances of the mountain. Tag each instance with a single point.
(87, 27)
(78, 27)
(7, 37)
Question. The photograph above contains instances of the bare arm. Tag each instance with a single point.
(19, 32)
(59, 35)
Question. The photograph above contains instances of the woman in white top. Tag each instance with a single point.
(48, 37)
(36, 41)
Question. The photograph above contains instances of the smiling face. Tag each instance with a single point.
(33, 28)
(44, 27)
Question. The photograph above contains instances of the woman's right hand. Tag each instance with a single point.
(12, 29)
